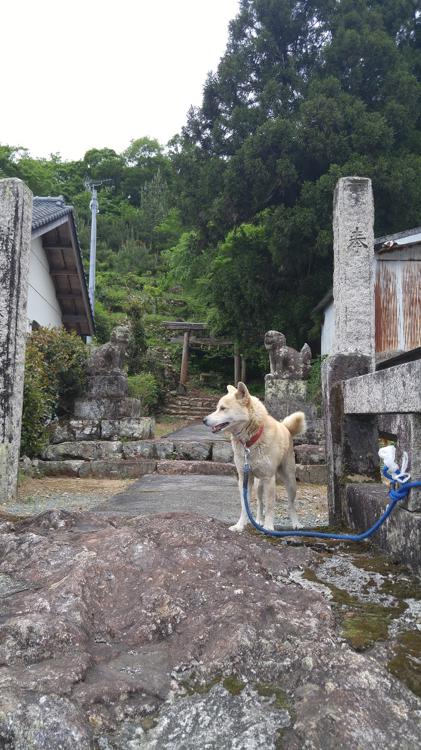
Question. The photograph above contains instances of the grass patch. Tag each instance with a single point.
(164, 425)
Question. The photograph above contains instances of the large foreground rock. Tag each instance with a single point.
(170, 631)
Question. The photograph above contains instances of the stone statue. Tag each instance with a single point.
(285, 362)
(110, 357)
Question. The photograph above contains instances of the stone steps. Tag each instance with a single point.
(134, 458)
(186, 413)
(130, 468)
(190, 407)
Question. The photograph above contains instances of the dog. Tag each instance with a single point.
(271, 456)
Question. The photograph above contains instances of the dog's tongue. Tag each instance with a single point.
(219, 427)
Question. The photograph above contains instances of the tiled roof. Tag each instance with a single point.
(48, 209)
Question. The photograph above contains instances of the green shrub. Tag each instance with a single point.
(55, 373)
(38, 403)
(137, 340)
(314, 383)
(145, 387)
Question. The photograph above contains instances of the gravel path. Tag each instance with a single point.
(210, 496)
(37, 495)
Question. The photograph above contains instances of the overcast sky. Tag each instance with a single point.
(96, 73)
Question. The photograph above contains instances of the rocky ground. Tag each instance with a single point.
(168, 631)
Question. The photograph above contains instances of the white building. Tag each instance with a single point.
(57, 292)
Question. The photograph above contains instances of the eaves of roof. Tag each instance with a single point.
(48, 209)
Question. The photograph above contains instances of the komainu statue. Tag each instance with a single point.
(110, 357)
(285, 362)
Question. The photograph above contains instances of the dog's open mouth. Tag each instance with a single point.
(219, 427)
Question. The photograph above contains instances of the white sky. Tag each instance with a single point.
(94, 73)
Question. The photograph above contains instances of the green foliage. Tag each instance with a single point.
(305, 93)
(232, 223)
(137, 342)
(38, 402)
(314, 383)
(145, 387)
(55, 373)
(105, 321)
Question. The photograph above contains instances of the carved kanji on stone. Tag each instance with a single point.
(357, 240)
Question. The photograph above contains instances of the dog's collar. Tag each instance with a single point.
(255, 437)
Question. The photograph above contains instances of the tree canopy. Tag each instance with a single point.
(235, 213)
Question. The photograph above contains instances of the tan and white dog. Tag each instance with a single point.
(271, 456)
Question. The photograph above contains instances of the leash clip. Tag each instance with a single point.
(246, 456)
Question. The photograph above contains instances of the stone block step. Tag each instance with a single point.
(196, 413)
(98, 469)
(138, 450)
(196, 467)
(128, 468)
(105, 408)
(135, 428)
(193, 408)
(310, 454)
(311, 473)
(202, 400)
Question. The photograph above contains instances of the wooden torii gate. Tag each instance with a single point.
(187, 328)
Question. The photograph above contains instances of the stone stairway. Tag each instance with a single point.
(180, 453)
(190, 408)
(134, 458)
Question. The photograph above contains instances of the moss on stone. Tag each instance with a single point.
(363, 623)
(267, 690)
(362, 631)
(406, 662)
(195, 686)
(233, 685)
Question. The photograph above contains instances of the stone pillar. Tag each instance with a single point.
(243, 369)
(184, 372)
(351, 441)
(15, 243)
(353, 275)
(237, 365)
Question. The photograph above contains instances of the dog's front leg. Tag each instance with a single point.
(260, 506)
(269, 497)
(244, 519)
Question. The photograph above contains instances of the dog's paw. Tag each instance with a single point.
(237, 527)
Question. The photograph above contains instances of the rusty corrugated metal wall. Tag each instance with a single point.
(398, 300)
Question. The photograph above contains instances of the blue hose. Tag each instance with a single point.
(396, 493)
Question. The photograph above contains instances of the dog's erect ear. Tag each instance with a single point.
(242, 392)
(231, 389)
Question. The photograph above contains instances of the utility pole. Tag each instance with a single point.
(92, 187)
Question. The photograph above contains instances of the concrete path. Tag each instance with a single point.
(195, 431)
(210, 496)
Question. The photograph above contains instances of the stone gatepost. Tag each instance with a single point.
(351, 441)
(15, 243)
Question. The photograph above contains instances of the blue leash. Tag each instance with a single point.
(396, 493)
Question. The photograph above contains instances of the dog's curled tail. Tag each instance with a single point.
(295, 422)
